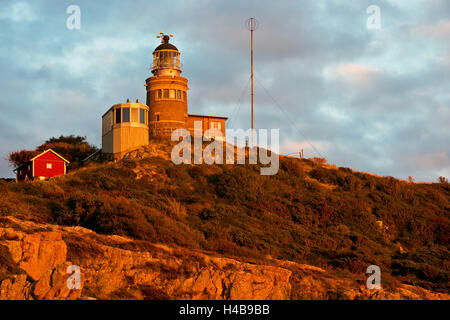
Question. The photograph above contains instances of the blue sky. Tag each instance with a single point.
(373, 100)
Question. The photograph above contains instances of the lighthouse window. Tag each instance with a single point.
(184, 95)
(142, 115)
(164, 59)
(179, 94)
(157, 117)
(166, 93)
(126, 114)
(172, 94)
(174, 60)
(159, 94)
(118, 118)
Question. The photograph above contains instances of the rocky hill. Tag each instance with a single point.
(144, 228)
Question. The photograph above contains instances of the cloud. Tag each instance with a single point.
(366, 100)
(352, 73)
(18, 12)
(437, 160)
(438, 31)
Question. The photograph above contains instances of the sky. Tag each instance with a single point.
(374, 100)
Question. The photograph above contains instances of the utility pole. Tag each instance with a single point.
(252, 25)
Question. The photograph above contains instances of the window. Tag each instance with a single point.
(166, 93)
(184, 95)
(159, 93)
(158, 59)
(216, 125)
(134, 115)
(142, 115)
(107, 122)
(179, 94)
(157, 117)
(172, 94)
(118, 118)
(126, 114)
(49, 165)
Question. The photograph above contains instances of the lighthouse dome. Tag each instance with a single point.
(165, 45)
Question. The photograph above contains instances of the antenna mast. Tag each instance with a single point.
(252, 25)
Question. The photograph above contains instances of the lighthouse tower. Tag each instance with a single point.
(166, 90)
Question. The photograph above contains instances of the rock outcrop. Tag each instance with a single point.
(176, 273)
(110, 271)
(35, 253)
(36, 259)
(42, 257)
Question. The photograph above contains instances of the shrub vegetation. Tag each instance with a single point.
(311, 213)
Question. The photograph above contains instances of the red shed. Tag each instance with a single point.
(45, 165)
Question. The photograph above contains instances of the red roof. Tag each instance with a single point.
(50, 150)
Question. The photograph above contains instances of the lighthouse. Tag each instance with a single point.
(129, 126)
(166, 90)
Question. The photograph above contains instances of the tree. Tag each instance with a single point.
(18, 158)
(73, 148)
(442, 179)
(74, 140)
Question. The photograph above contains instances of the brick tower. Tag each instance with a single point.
(166, 90)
